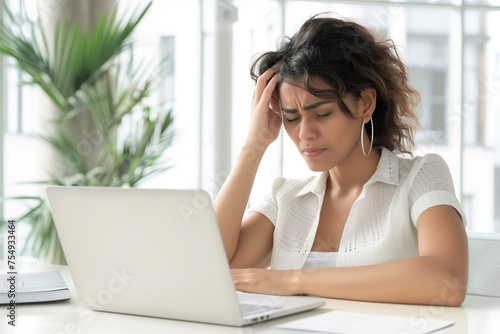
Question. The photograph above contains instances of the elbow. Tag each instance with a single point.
(458, 293)
(448, 283)
(452, 291)
(458, 301)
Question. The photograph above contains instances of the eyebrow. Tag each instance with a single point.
(307, 107)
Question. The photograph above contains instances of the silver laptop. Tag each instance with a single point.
(155, 253)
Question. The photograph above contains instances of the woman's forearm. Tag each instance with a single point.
(231, 202)
(418, 280)
(265, 126)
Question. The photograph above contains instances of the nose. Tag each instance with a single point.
(308, 130)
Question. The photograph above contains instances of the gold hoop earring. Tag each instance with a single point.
(363, 141)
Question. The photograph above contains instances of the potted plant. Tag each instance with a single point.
(106, 131)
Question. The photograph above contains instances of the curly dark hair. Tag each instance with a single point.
(350, 58)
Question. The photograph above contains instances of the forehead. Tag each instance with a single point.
(292, 89)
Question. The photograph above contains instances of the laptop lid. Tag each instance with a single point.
(152, 252)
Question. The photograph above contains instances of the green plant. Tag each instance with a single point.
(83, 73)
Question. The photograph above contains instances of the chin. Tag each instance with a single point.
(315, 167)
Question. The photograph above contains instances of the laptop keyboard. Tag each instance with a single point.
(251, 309)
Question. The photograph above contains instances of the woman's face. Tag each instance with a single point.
(323, 134)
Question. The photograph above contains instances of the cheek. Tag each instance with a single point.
(340, 134)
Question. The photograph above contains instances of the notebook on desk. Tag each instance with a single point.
(155, 252)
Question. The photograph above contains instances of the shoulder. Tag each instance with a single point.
(396, 168)
(429, 166)
(285, 194)
(290, 187)
(419, 159)
(428, 182)
(429, 158)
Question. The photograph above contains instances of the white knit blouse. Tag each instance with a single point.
(381, 226)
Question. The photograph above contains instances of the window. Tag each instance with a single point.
(170, 32)
(170, 28)
(167, 52)
(20, 113)
(481, 102)
(452, 49)
(456, 72)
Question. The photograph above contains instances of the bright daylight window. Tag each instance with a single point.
(452, 48)
(458, 120)
(164, 33)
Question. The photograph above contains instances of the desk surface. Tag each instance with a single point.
(477, 314)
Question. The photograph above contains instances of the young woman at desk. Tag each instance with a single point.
(373, 226)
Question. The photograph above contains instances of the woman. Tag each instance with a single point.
(373, 226)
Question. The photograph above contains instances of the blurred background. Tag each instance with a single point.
(452, 48)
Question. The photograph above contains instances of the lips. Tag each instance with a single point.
(311, 153)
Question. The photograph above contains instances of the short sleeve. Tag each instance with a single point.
(432, 186)
(268, 205)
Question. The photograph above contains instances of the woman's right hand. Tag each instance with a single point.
(266, 116)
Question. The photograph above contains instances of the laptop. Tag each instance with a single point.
(158, 253)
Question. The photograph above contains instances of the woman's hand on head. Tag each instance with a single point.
(266, 115)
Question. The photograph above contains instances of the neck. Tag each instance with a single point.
(354, 172)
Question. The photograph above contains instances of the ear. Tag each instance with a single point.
(368, 100)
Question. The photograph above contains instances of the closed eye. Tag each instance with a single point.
(324, 115)
(292, 119)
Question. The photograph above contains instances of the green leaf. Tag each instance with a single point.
(82, 71)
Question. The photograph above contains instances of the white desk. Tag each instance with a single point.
(477, 315)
